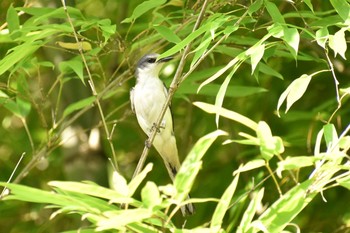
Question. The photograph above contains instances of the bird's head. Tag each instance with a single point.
(148, 65)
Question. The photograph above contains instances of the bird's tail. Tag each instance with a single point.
(187, 209)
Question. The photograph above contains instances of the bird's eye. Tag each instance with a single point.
(151, 60)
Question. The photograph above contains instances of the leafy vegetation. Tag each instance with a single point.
(259, 94)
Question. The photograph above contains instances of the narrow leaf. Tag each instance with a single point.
(167, 34)
(286, 208)
(249, 213)
(342, 7)
(227, 114)
(12, 19)
(223, 204)
(256, 53)
(294, 91)
(274, 12)
(221, 94)
(143, 8)
(79, 105)
(190, 167)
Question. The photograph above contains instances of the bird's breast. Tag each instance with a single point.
(149, 98)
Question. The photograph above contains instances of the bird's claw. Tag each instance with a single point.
(161, 126)
(148, 144)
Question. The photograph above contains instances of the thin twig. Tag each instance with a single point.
(13, 172)
(91, 82)
(173, 87)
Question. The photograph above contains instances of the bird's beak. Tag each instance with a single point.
(164, 59)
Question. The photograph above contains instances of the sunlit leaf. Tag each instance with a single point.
(227, 114)
(137, 180)
(251, 165)
(292, 38)
(251, 210)
(192, 164)
(290, 204)
(338, 43)
(256, 53)
(221, 94)
(266, 140)
(322, 36)
(294, 91)
(150, 195)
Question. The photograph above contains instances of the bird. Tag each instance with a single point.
(147, 99)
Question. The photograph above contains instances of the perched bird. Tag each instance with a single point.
(147, 100)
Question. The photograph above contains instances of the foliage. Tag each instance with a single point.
(64, 81)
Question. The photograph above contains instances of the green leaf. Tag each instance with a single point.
(251, 165)
(192, 164)
(17, 54)
(266, 141)
(75, 65)
(274, 12)
(119, 219)
(227, 114)
(309, 4)
(136, 181)
(338, 43)
(221, 94)
(292, 38)
(236, 62)
(193, 35)
(255, 6)
(285, 209)
(345, 182)
(23, 107)
(256, 53)
(119, 184)
(12, 19)
(342, 8)
(167, 34)
(294, 91)
(322, 36)
(79, 105)
(143, 8)
(297, 162)
(28, 194)
(250, 212)
(223, 205)
(150, 195)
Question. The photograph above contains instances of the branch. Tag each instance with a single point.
(91, 82)
(172, 89)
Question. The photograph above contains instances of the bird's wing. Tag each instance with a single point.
(132, 100)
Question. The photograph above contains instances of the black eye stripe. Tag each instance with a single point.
(151, 60)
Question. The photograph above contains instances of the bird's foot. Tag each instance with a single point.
(148, 144)
(161, 126)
